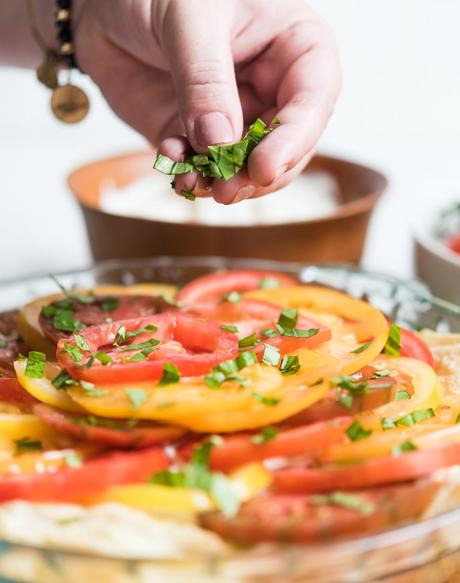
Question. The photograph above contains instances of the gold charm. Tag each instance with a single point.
(47, 72)
(69, 103)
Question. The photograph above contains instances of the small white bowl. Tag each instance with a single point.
(436, 265)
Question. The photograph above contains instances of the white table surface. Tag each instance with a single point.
(399, 111)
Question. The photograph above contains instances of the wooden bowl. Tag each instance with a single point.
(338, 237)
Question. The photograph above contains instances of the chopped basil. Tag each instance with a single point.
(187, 194)
(402, 395)
(64, 320)
(35, 367)
(228, 371)
(387, 423)
(197, 475)
(170, 375)
(63, 380)
(26, 444)
(269, 333)
(266, 434)
(347, 401)
(404, 447)
(381, 373)
(344, 499)
(91, 391)
(120, 335)
(76, 355)
(356, 431)
(289, 365)
(141, 346)
(73, 460)
(3, 343)
(103, 358)
(167, 166)
(393, 343)
(415, 417)
(298, 332)
(229, 328)
(271, 355)
(82, 299)
(269, 283)
(270, 401)
(137, 397)
(350, 384)
(361, 348)
(109, 303)
(245, 359)
(234, 297)
(248, 341)
(81, 342)
(288, 319)
(139, 356)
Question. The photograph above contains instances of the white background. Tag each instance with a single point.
(399, 111)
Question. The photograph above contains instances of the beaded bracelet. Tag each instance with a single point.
(69, 103)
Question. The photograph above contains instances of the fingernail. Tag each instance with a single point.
(213, 129)
(244, 192)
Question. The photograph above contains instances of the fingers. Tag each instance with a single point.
(307, 93)
(241, 187)
(196, 37)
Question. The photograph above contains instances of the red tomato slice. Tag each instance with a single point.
(74, 484)
(11, 391)
(194, 346)
(453, 243)
(414, 347)
(294, 518)
(238, 449)
(10, 342)
(211, 288)
(253, 316)
(380, 391)
(123, 307)
(374, 472)
(117, 433)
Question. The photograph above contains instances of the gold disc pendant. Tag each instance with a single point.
(69, 103)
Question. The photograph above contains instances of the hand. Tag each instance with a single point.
(206, 68)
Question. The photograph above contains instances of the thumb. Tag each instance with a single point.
(197, 39)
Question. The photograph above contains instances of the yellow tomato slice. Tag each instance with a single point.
(247, 482)
(192, 404)
(43, 389)
(28, 321)
(22, 425)
(41, 461)
(378, 444)
(352, 322)
(426, 394)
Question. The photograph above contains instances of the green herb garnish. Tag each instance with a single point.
(76, 355)
(271, 355)
(81, 342)
(63, 380)
(289, 365)
(356, 431)
(288, 319)
(234, 297)
(196, 474)
(170, 375)
(351, 501)
(102, 357)
(269, 283)
(270, 401)
(187, 194)
(26, 444)
(269, 333)
(402, 395)
(404, 447)
(137, 397)
(3, 343)
(266, 434)
(109, 303)
(35, 367)
(229, 328)
(393, 343)
(248, 341)
(360, 349)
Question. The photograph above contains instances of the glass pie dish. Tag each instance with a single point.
(428, 550)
